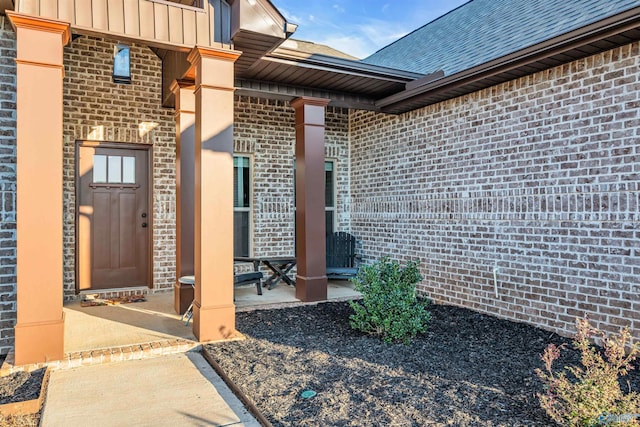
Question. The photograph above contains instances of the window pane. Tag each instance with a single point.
(241, 234)
(329, 221)
(328, 184)
(99, 168)
(115, 167)
(241, 182)
(129, 170)
(245, 187)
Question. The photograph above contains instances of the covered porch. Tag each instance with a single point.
(200, 72)
(137, 330)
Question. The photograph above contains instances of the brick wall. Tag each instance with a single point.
(265, 130)
(96, 108)
(537, 180)
(7, 185)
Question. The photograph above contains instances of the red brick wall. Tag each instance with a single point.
(537, 178)
(96, 108)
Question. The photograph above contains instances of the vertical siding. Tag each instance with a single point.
(176, 29)
(202, 29)
(83, 14)
(161, 21)
(116, 16)
(147, 29)
(49, 8)
(100, 14)
(189, 31)
(66, 11)
(30, 7)
(132, 18)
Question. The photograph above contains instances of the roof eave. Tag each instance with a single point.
(418, 95)
(326, 62)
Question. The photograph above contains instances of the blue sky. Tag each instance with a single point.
(360, 27)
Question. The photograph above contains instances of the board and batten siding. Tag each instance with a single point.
(149, 20)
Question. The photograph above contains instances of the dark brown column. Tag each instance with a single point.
(185, 181)
(213, 307)
(311, 280)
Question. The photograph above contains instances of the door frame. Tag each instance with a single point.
(119, 146)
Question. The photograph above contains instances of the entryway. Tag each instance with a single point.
(113, 220)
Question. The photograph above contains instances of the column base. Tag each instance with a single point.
(39, 342)
(214, 323)
(311, 289)
(182, 297)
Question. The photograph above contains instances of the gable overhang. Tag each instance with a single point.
(615, 31)
(257, 28)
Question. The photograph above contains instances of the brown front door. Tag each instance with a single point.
(113, 219)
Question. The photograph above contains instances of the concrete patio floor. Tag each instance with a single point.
(103, 327)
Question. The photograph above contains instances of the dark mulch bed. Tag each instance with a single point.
(467, 370)
(21, 386)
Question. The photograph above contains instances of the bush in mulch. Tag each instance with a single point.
(467, 369)
(390, 307)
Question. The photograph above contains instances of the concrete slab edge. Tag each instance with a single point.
(282, 305)
(106, 355)
(246, 401)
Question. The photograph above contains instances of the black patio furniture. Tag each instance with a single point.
(342, 261)
(279, 266)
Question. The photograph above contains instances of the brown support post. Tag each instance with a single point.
(185, 180)
(311, 280)
(213, 308)
(39, 330)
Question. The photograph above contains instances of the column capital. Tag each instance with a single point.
(19, 20)
(183, 92)
(176, 85)
(307, 100)
(198, 53)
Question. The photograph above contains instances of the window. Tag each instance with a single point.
(114, 169)
(241, 206)
(329, 194)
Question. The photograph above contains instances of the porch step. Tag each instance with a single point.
(107, 355)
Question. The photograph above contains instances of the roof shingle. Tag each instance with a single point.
(482, 30)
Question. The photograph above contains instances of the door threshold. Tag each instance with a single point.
(116, 292)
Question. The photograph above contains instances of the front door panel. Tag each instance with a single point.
(113, 217)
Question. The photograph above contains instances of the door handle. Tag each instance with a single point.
(144, 225)
(144, 215)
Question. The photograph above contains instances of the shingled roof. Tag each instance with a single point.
(482, 30)
(315, 49)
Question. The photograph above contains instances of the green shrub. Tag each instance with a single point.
(389, 307)
(591, 395)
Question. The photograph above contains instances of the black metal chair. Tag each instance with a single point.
(342, 261)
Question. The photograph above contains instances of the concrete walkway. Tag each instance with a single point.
(173, 390)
